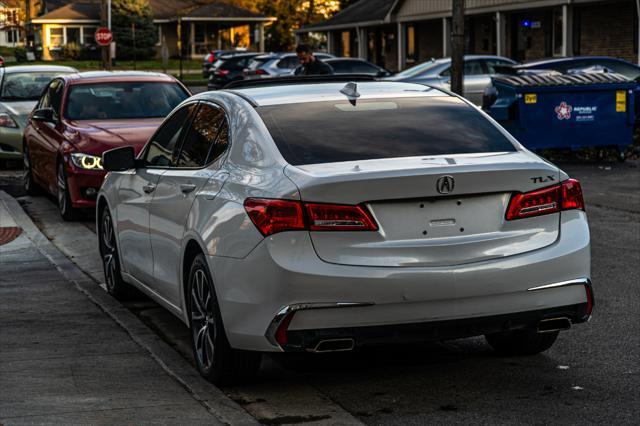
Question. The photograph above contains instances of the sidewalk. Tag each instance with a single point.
(65, 360)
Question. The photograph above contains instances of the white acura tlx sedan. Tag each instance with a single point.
(329, 216)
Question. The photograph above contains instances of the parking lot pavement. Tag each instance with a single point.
(63, 360)
(591, 375)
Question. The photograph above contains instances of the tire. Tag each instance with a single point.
(216, 360)
(116, 286)
(67, 211)
(30, 187)
(521, 342)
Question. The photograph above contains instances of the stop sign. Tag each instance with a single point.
(103, 36)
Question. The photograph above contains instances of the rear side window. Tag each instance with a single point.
(327, 132)
(207, 139)
(161, 151)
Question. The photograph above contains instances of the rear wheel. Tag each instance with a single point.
(30, 187)
(116, 286)
(67, 211)
(521, 342)
(216, 360)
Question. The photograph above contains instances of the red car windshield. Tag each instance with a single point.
(120, 100)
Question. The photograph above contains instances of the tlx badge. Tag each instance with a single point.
(445, 184)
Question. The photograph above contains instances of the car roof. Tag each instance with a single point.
(317, 92)
(108, 76)
(549, 61)
(238, 55)
(38, 68)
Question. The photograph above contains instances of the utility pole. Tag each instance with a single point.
(105, 21)
(457, 47)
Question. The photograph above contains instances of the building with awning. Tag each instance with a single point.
(396, 34)
(204, 25)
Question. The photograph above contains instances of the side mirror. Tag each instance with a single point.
(44, 114)
(119, 159)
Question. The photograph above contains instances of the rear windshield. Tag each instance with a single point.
(26, 85)
(328, 132)
(108, 101)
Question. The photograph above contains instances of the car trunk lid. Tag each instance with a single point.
(419, 225)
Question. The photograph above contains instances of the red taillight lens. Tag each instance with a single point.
(566, 196)
(590, 301)
(222, 72)
(329, 217)
(271, 216)
(543, 201)
(211, 57)
(572, 195)
(261, 72)
(281, 332)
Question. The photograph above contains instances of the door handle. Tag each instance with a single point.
(187, 188)
(149, 188)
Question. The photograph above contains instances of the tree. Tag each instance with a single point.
(128, 16)
(292, 14)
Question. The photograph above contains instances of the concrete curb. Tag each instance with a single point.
(212, 398)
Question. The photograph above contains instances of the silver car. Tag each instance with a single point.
(327, 217)
(276, 64)
(437, 73)
(20, 89)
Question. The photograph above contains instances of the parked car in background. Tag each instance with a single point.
(356, 66)
(228, 68)
(579, 63)
(478, 70)
(78, 117)
(276, 64)
(1, 61)
(211, 58)
(339, 215)
(20, 89)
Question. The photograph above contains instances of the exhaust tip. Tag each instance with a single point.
(333, 345)
(554, 324)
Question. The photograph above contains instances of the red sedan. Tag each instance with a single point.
(78, 117)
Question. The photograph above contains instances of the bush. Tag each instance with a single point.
(20, 54)
(90, 52)
(71, 51)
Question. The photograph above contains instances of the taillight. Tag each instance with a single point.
(572, 195)
(222, 72)
(261, 72)
(272, 216)
(565, 196)
(211, 57)
(329, 217)
(590, 300)
(281, 332)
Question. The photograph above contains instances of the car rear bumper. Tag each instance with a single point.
(338, 339)
(284, 270)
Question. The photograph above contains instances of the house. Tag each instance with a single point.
(11, 23)
(398, 33)
(204, 25)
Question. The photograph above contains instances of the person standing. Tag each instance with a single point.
(309, 64)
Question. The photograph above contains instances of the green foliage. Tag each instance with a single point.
(127, 15)
(71, 51)
(20, 54)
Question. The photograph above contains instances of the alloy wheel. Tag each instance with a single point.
(26, 172)
(203, 322)
(108, 252)
(62, 189)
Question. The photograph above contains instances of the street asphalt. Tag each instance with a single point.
(591, 374)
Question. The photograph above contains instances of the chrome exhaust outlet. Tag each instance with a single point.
(554, 324)
(333, 345)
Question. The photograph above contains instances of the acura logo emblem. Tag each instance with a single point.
(445, 184)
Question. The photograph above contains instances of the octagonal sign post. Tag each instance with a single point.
(103, 36)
